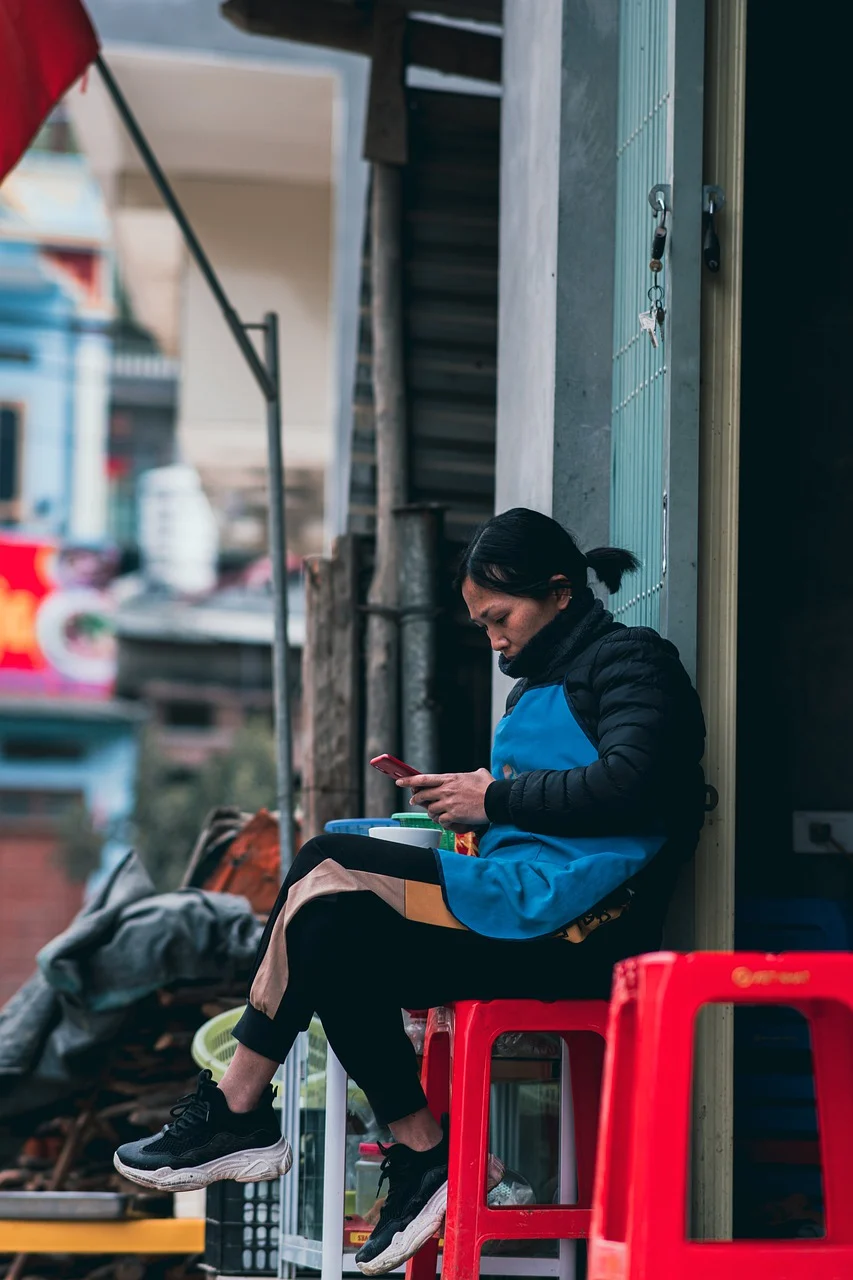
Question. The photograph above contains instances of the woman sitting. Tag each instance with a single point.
(594, 799)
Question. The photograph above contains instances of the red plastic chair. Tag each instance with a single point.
(639, 1229)
(456, 1077)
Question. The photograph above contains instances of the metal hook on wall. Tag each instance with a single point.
(659, 199)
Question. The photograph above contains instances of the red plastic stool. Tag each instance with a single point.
(640, 1210)
(456, 1077)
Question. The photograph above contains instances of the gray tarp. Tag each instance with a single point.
(125, 944)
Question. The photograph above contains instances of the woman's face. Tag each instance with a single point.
(510, 621)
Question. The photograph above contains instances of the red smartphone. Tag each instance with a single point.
(393, 767)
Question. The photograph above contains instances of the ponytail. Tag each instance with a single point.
(610, 564)
(521, 552)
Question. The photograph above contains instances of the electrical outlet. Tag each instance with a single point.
(814, 827)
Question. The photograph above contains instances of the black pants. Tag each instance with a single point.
(355, 960)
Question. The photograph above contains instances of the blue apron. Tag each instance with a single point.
(525, 885)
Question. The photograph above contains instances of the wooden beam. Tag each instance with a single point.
(719, 496)
(323, 22)
(386, 127)
(450, 50)
(381, 797)
(490, 11)
(331, 772)
(454, 51)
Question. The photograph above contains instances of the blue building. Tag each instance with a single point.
(55, 315)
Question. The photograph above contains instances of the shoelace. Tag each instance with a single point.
(396, 1159)
(189, 1110)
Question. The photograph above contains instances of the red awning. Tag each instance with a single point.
(45, 45)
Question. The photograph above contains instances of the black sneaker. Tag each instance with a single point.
(413, 1210)
(208, 1143)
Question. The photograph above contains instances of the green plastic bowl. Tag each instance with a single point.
(421, 820)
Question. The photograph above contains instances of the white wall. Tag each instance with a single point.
(271, 245)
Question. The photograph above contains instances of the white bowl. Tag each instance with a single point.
(423, 837)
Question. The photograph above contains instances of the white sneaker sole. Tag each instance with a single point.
(405, 1244)
(258, 1164)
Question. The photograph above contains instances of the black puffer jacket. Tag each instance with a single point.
(634, 700)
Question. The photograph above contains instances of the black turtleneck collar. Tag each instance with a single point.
(549, 650)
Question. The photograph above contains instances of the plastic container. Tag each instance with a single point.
(414, 819)
(178, 537)
(415, 1027)
(367, 1171)
(357, 826)
(423, 822)
(425, 839)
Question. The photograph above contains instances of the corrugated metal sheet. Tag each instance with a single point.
(639, 370)
(450, 198)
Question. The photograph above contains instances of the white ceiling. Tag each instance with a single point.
(211, 116)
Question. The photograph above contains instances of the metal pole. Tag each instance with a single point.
(278, 557)
(389, 396)
(567, 1174)
(334, 1167)
(167, 194)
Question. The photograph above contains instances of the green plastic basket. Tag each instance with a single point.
(213, 1044)
(213, 1048)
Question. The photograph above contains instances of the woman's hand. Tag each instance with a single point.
(454, 800)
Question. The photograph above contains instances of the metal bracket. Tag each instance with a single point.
(713, 199)
(660, 198)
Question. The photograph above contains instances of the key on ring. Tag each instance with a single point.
(660, 317)
(648, 321)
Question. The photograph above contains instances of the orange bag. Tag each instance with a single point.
(251, 867)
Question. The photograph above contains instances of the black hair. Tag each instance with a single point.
(521, 551)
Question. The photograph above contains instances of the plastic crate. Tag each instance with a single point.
(251, 1203)
(242, 1230)
(238, 1249)
(357, 826)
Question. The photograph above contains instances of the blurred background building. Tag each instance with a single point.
(66, 745)
(135, 594)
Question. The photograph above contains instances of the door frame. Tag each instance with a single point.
(719, 462)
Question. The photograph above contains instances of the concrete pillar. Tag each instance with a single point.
(558, 208)
(527, 320)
